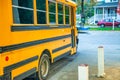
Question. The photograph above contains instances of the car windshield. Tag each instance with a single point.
(108, 20)
(111, 20)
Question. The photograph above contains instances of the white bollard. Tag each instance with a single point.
(113, 27)
(83, 72)
(101, 72)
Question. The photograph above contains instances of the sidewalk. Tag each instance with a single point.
(88, 26)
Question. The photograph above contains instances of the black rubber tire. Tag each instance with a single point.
(118, 26)
(102, 25)
(43, 67)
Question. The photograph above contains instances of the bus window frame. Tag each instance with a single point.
(24, 8)
(52, 12)
(35, 22)
(38, 10)
(68, 14)
(60, 13)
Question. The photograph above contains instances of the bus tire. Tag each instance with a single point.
(43, 67)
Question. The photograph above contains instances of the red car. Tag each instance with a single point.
(108, 22)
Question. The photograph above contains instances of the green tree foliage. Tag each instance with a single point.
(88, 7)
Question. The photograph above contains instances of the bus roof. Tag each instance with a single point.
(68, 2)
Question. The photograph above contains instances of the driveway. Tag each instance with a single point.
(67, 68)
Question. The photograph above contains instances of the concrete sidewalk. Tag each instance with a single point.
(89, 26)
(87, 54)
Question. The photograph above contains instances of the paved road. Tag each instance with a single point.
(90, 41)
(87, 53)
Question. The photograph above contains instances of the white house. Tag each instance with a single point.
(105, 10)
(118, 11)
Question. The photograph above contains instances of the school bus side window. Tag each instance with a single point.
(52, 12)
(67, 14)
(60, 14)
(41, 11)
(22, 11)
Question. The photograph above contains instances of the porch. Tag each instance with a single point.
(105, 11)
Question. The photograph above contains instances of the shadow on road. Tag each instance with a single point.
(83, 32)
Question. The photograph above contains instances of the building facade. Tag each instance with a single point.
(118, 10)
(107, 9)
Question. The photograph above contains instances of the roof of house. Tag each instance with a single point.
(113, 4)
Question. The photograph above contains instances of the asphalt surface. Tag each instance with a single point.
(89, 41)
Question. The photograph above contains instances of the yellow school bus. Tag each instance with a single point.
(33, 35)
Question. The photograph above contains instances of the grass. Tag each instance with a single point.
(104, 29)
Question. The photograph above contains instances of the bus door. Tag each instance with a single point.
(73, 39)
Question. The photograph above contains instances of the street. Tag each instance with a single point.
(67, 68)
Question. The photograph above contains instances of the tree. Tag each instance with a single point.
(91, 2)
(88, 9)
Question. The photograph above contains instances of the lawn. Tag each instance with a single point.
(104, 29)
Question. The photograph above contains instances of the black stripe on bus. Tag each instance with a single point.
(60, 48)
(25, 74)
(19, 64)
(29, 28)
(32, 43)
(63, 55)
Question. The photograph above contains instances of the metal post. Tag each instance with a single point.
(103, 12)
(94, 14)
(101, 61)
(113, 23)
(83, 72)
(82, 13)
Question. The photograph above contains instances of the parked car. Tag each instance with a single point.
(108, 22)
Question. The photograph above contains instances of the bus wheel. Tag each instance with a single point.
(43, 67)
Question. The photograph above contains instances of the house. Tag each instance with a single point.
(118, 11)
(105, 10)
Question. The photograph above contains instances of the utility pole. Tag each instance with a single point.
(82, 13)
(82, 5)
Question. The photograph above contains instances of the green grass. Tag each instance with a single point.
(104, 29)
